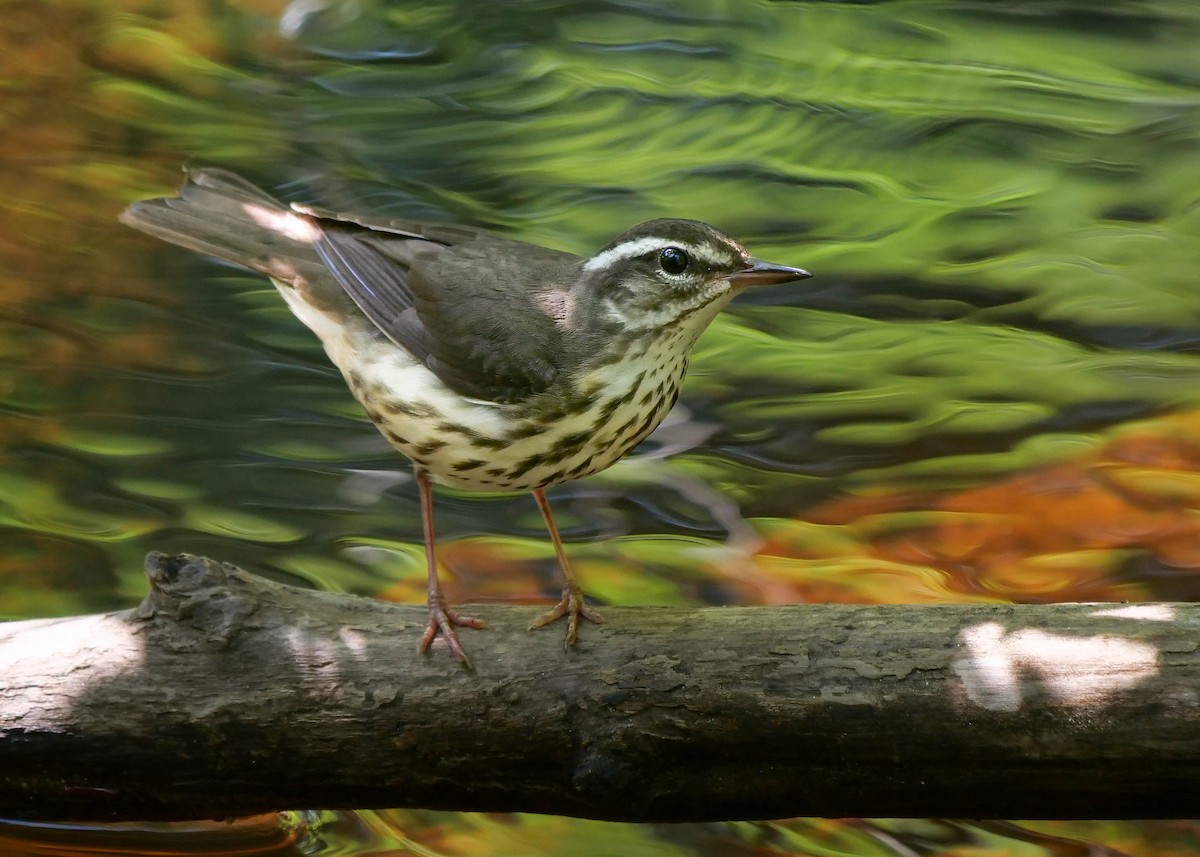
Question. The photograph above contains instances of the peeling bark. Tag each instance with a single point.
(225, 694)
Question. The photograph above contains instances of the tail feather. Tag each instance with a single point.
(221, 214)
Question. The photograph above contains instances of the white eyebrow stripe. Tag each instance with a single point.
(641, 246)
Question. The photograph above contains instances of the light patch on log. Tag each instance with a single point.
(47, 653)
(1149, 612)
(1076, 671)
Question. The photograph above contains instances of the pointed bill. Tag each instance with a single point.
(760, 273)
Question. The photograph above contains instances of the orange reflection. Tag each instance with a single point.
(1059, 533)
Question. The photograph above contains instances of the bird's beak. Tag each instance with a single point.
(761, 273)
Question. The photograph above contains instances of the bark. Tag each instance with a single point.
(225, 694)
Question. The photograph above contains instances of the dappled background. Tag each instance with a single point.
(990, 391)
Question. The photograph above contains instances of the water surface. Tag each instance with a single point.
(988, 392)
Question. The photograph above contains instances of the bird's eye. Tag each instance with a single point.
(673, 260)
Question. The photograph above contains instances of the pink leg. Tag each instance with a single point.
(572, 605)
(441, 619)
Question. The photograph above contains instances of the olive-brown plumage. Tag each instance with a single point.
(492, 364)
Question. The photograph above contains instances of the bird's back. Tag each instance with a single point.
(466, 304)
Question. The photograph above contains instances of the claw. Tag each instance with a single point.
(442, 621)
(572, 606)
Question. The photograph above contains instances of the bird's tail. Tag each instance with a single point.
(223, 215)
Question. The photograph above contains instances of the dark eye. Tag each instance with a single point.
(673, 260)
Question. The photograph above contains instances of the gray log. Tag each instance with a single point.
(226, 694)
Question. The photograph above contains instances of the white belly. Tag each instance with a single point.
(485, 446)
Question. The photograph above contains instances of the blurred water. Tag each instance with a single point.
(1001, 203)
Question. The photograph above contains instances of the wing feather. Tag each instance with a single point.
(468, 309)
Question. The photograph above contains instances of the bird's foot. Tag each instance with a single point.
(442, 621)
(572, 606)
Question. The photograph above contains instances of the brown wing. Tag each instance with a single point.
(462, 302)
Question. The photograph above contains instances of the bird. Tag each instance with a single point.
(492, 364)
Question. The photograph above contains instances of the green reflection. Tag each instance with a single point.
(998, 199)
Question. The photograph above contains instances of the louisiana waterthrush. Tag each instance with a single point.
(492, 364)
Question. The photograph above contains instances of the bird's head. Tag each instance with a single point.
(666, 273)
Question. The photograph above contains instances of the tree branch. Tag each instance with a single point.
(226, 694)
